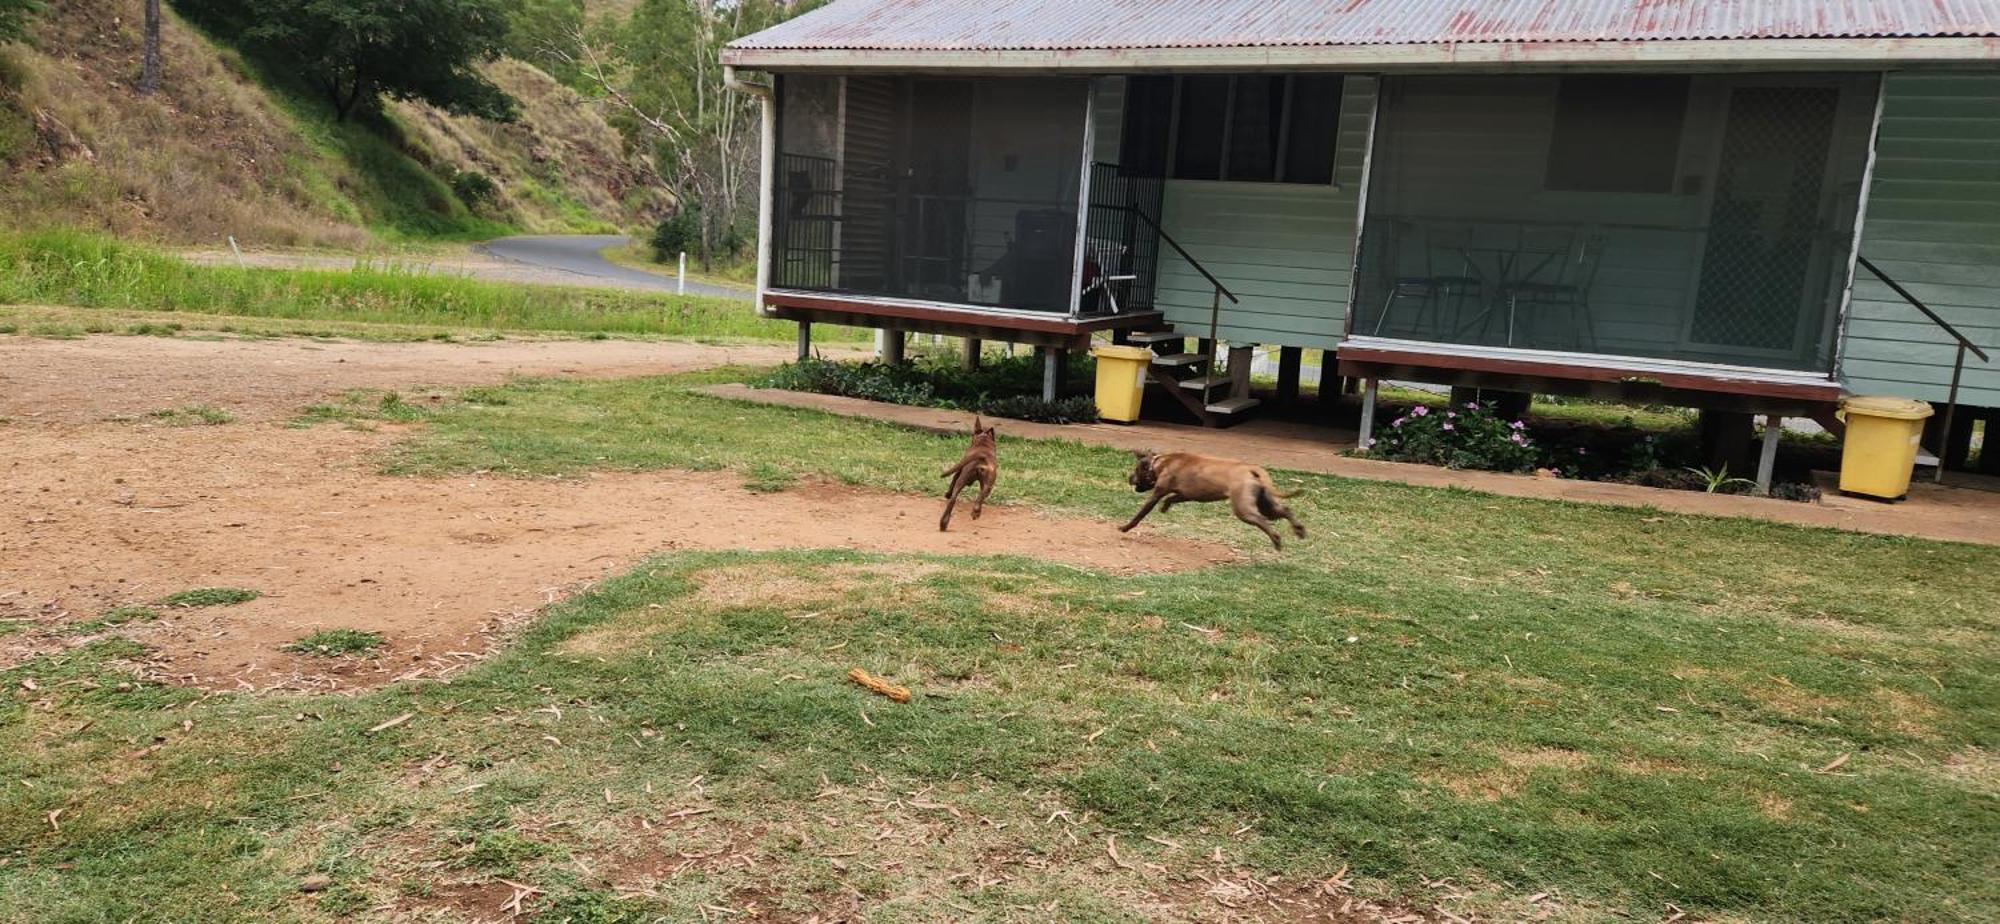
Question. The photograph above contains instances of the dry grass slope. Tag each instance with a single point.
(209, 155)
(216, 153)
(561, 167)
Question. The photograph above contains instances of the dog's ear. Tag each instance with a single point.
(1142, 454)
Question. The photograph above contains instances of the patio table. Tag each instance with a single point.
(1507, 260)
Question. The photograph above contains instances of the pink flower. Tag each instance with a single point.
(1419, 411)
(1519, 440)
(1518, 425)
(1397, 422)
(1451, 414)
(1472, 405)
(1448, 426)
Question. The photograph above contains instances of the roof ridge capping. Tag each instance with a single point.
(1102, 33)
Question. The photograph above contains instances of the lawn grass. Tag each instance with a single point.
(95, 272)
(1631, 712)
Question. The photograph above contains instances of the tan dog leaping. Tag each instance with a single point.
(1183, 476)
(981, 464)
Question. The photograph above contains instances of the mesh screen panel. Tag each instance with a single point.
(957, 191)
(1741, 260)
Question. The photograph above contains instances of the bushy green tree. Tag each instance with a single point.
(544, 33)
(670, 86)
(356, 51)
(14, 18)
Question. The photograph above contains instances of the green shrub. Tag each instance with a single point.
(679, 233)
(474, 188)
(1472, 436)
(1003, 388)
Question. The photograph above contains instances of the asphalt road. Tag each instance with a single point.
(579, 254)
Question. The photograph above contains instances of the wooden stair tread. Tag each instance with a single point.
(1233, 405)
(1206, 382)
(1150, 337)
(1182, 359)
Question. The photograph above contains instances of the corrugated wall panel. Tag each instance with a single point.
(1933, 225)
(1287, 251)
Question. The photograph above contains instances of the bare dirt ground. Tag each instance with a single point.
(101, 507)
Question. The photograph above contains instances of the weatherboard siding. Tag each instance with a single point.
(1933, 224)
(1285, 250)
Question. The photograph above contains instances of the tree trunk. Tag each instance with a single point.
(149, 69)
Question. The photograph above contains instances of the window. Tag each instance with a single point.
(1617, 134)
(1257, 128)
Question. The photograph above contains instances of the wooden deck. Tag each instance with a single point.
(1622, 378)
(1046, 329)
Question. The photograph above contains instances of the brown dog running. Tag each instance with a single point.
(1184, 476)
(980, 464)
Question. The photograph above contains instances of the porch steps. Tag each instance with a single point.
(1192, 380)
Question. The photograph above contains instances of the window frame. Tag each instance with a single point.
(1280, 155)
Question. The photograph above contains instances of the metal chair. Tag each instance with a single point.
(1560, 283)
(1450, 278)
(1108, 256)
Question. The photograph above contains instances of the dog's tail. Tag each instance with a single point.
(962, 463)
(1271, 487)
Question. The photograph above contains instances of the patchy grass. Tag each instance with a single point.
(189, 325)
(361, 408)
(194, 415)
(335, 642)
(765, 478)
(89, 271)
(119, 616)
(211, 596)
(1630, 712)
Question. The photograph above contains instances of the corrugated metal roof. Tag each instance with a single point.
(1067, 25)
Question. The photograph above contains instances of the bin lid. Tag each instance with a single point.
(1886, 406)
(1114, 351)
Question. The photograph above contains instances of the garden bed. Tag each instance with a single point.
(1587, 446)
(1003, 387)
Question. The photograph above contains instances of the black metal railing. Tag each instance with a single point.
(804, 223)
(1121, 250)
(1957, 366)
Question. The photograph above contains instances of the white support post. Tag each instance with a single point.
(1767, 457)
(1367, 434)
(767, 170)
(889, 346)
(1052, 366)
(805, 340)
(681, 276)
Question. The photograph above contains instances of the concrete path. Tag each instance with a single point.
(582, 255)
(1933, 512)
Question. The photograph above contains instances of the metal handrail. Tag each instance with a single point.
(1203, 270)
(1957, 365)
(1926, 309)
(1215, 303)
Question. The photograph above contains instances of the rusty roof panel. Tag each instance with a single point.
(1058, 25)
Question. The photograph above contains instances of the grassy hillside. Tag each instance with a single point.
(220, 152)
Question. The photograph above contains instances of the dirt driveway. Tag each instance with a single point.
(102, 506)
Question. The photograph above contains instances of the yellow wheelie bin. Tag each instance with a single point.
(1880, 449)
(1121, 381)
